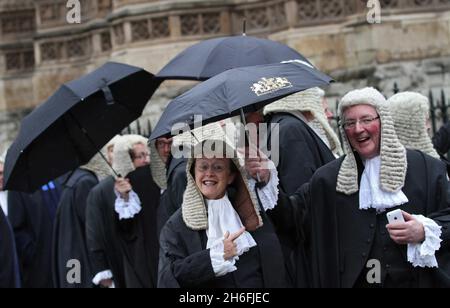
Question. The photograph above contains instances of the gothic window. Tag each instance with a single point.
(211, 23)
(190, 24)
(20, 60)
(160, 27)
(139, 30)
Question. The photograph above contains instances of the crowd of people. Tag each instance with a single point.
(316, 218)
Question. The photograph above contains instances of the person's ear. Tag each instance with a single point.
(231, 178)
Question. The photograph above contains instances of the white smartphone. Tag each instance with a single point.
(395, 216)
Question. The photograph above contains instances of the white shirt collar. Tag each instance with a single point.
(223, 218)
(4, 201)
(370, 193)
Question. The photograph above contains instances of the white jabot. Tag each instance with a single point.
(423, 254)
(4, 202)
(222, 218)
(268, 195)
(127, 209)
(370, 193)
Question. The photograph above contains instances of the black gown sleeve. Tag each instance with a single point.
(179, 269)
(23, 233)
(95, 233)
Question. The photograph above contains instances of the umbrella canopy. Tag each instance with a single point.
(212, 57)
(241, 89)
(75, 122)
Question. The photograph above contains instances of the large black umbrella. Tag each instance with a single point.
(236, 91)
(211, 57)
(75, 122)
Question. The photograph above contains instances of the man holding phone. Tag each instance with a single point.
(342, 212)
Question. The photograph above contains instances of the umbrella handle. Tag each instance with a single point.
(109, 165)
(242, 114)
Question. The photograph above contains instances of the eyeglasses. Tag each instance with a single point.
(215, 168)
(141, 156)
(351, 124)
(162, 144)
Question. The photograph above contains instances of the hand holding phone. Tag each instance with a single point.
(395, 216)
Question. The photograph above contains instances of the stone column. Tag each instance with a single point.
(175, 26)
(225, 22)
(291, 8)
(127, 32)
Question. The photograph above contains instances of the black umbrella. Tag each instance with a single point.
(236, 91)
(212, 57)
(75, 122)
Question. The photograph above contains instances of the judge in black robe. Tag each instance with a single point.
(32, 217)
(345, 239)
(9, 267)
(441, 139)
(69, 241)
(172, 197)
(128, 248)
(301, 153)
(298, 140)
(186, 262)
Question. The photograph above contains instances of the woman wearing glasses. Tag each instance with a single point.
(221, 236)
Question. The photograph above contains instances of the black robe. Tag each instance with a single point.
(342, 238)
(441, 139)
(9, 267)
(69, 237)
(301, 153)
(129, 248)
(185, 262)
(32, 217)
(172, 197)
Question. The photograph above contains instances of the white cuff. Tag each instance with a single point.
(221, 266)
(423, 255)
(102, 276)
(268, 195)
(127, 209)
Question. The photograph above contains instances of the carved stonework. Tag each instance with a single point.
(20, 60)
(18, 22)
(54, 13)
(119, 34)
(200, 24)
(190, 24)
(104, 7)
(140, 30)
(51, 12)
(79, 47)
(160, 27)
(51, 51)
(105, 38)
(314, 11)
(28, 59)
(257, 18)
(389, 3)
(13, 61)
(145, 29)
(277, 15)
(211, 23)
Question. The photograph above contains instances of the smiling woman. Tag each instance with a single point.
(220, 236)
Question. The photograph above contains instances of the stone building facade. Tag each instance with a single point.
(40, 49)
